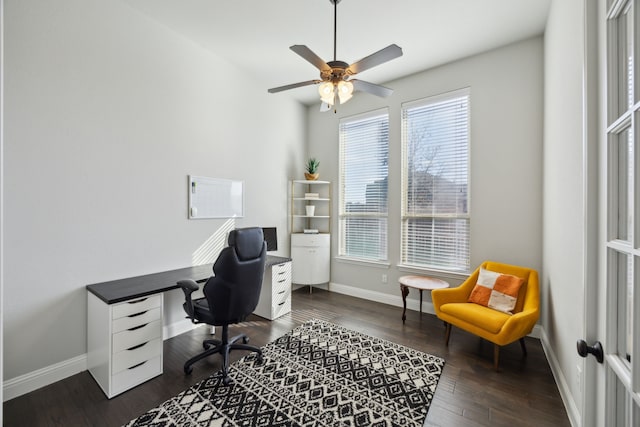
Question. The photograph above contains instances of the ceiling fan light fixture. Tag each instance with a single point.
(345, 91)
(334, 84)
(327, 92)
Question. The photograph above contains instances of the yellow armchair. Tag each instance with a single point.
(500, 328)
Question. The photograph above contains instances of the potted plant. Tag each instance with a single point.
(311, 169)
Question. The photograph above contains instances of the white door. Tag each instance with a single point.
(617, 392)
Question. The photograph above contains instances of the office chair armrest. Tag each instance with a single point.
(188, 286)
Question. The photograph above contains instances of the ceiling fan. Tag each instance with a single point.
(335, 76)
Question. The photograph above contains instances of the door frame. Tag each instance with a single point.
(592, 381)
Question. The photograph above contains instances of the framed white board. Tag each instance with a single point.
(215, 198)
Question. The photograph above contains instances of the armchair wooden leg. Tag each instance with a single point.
(524, 347)
(447, 334)
(496, 356)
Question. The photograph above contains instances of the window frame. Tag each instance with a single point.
(383, 255)
(404, 215)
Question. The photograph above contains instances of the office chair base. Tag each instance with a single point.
(224, 347)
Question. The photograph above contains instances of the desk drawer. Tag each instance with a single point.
(278, 309)
(127, 359)
(136, 306)
(281, 270)
(281, 296)
(131, 377)
(130, 338)
(135, 320)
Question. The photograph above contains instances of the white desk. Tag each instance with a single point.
(124, 320)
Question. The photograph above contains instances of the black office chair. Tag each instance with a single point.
(230, 295)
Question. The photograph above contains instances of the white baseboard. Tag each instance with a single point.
(177, 328)
(565, 392)
(27, 383)
(31, 381)
(396, 300)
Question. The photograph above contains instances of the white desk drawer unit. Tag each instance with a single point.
(275, 297)
(124, 321)
(124, 342)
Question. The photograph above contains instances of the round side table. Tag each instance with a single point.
(420, 283)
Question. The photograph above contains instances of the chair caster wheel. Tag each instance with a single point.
(260, 360)
(245, 340)
(188, 369)
(227, 380)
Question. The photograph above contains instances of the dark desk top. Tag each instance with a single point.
(135, 287)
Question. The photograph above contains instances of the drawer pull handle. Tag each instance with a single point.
(138, 301)
(282, 281)
(282, 303)
(137, 346)
(281, 292)
(137, 327)
(282, 272)
(137, 314)
(139, 364)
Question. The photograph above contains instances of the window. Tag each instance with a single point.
(435, 182)
(364, 154)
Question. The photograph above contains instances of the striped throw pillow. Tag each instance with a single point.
(496, 290)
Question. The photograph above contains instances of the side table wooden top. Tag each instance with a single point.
(423, 283)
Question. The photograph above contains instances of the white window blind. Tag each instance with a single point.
(364, 153)
(435, 182)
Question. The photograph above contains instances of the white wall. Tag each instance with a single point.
(564, 197)
(106, 113)
(1, 198)
(506, 152)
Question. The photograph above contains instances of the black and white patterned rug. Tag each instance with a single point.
(319, 374)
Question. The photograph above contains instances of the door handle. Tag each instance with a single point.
(596, 349)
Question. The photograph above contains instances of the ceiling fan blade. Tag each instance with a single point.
(390, 52)
(293, 86)
(308, 54)
(371, 88)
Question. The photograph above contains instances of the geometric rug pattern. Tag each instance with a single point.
(319, 374)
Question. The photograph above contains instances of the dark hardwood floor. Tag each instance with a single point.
(470, 392)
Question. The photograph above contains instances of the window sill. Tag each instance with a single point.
(442, 274)
(377, 264)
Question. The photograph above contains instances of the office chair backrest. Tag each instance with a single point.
(233, 292)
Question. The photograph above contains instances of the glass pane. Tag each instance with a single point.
(364, 237)
(435, 182)
(626, 60)
(436, 139)
(620, 58)
(437, 242)
(364, 159)
(636, 49)
(621, 404)
(622, 266)
(624, 410)
(621, 175)
(623, 60)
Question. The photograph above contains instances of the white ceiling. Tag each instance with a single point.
(256, 34)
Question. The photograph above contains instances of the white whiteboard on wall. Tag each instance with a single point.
(215, 198)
